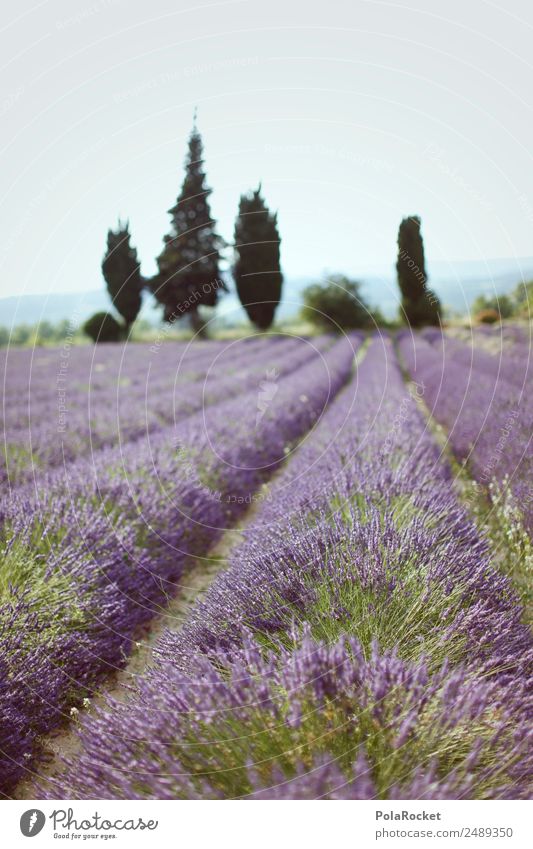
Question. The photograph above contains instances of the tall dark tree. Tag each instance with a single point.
(189, 275)
(122, 274)
(257, 271)
(419, 304)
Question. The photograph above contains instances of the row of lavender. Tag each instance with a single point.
(90, 557)
(360, 645)
(508, 364)
(507, 337)
(59, 405)
(485, 403)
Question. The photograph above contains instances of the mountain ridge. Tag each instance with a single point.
(456, 284)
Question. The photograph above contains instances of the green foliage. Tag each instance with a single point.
(122, 274)
(19, 335)
(523, 300)
(189, 275)
(279, 731)
(336, 305)
(103, 327)
(517, 304)
(276, 746)
(501, 304)
(24, 570)
(512, 546)
(420, 305)
(257, 269)
(18, 460)
(397, 614)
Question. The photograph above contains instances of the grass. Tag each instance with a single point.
(18, 460)
(49, 593)
(500, 517)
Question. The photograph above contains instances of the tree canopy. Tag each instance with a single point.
(419, 304)
(257, 271)
(189, 274)
(501, 304)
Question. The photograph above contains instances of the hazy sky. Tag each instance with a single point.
(352, 114)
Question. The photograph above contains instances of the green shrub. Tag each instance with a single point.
(488, 316)
(502, 305)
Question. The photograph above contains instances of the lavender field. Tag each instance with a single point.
(268, 568)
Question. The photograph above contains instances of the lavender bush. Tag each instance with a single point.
(118, 530)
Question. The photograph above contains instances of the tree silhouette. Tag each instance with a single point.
(501, 304)
(336, 305)
(103, 327)
(419, 304)
(189, 275)
(257, 270)
(122, 274)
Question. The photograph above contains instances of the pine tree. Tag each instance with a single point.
(189, 275)
(257, 269)
(122, 274)
(419, 304)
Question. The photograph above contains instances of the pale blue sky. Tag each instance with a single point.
(353, 114)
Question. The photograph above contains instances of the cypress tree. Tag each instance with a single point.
(189, 275)
(257, 271)
(122, 274)
(419, 304)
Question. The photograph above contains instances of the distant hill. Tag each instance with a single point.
(75, 306)
(456, 283)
